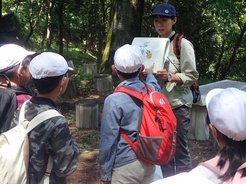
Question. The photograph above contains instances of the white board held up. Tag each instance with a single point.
(154, 50)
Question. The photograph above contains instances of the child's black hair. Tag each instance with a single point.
(129, 75)
(48, 84)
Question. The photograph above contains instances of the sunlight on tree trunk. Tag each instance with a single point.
(106, 51)
(126, 24)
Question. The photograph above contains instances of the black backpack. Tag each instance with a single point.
(9, 103)
(7, 108)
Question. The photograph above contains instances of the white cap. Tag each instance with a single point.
(48, 64)
(227, 112)
(128, 59)
(12, 55)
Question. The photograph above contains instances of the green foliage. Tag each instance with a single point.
(92, 136)
(216, 29)
(85, 81)
(88, 139)
(204, 81)
(84, 146)
(72, 116)
(227, 19)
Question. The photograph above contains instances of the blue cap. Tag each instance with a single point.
(164, 9)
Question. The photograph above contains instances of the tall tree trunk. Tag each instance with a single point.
(33, 20)
(102, 32)
(218, 64)
(60, 8)
(125, 25)
(1, 30)
(234, 53)
(47, 26)
(1, 9)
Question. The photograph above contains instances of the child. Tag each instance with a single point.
(14, 76)
(226, 118)
(118, 162)
(51, 137)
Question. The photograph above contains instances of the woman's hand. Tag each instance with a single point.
(162, 74)
(146, 71)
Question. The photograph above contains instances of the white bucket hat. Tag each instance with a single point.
(128, 59)
(48, 64)
(12, 55)
(227, 112)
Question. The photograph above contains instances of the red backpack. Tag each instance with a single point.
(156, 141)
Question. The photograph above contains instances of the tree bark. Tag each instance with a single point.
(218, 64)
(60, 8)
(234, 52)
(126, 24)
(1, 30)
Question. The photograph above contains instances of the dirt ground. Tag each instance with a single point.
(88, 168)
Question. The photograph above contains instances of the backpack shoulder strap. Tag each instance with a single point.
(22, 113)
(46, 177)
(129, 91)
(7, 108)
(211, 165)
(133, 93)
(41, 118)
(237, 178)
(37, 119)
(176, 38)
(35, 122)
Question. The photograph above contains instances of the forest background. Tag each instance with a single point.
(91, 31)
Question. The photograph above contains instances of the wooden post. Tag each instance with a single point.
(90, 68)
(72, 90)
(103, 84)
(86, 113)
